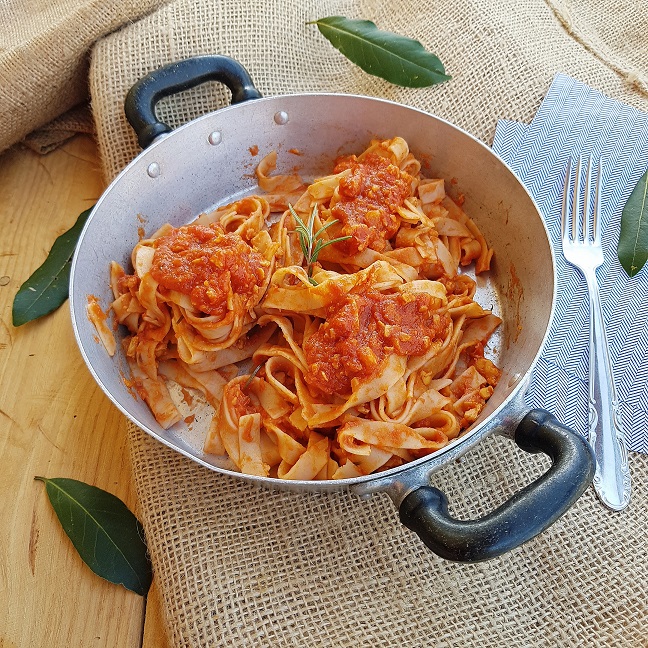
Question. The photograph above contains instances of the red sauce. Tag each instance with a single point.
(460, 285)
(239, 400)
(128, 283)
(369, 200)
(485, 366)
(94, 309)
(203, 261)
(361, 329)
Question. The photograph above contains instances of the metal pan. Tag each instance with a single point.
(210, 161)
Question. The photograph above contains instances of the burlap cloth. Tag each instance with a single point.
(44, 53)
(242, 566)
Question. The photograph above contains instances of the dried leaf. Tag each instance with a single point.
(397, 59)
(48, 287)
(108, 537)
(633, 239)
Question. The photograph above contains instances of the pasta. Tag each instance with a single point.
(361, 356)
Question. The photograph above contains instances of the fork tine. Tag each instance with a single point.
(576, 201)
(587, 218)
(565, 204)
(597, 204)
(580, 220)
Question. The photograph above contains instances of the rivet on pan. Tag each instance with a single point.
(153, 169)
(281, 117)
(216, 137)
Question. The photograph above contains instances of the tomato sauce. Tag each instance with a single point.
(369, 200)
(361, 329)
(238, 400)
(128, 283)
(203, 261)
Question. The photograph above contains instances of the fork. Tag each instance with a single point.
(581, 244)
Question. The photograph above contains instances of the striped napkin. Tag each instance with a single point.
(573, 120)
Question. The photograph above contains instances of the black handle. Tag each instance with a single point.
(176, 77)
(525, 515)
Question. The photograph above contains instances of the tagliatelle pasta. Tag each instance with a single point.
(365, 358)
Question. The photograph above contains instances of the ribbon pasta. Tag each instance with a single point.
(370, 358)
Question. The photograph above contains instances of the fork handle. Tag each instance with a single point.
(612, 477)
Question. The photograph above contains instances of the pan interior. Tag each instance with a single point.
(185, 174)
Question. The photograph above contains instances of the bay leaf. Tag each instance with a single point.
(48, 286)
(108, 537)
(632, 249)
(397, 59)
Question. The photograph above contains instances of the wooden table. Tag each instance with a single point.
(55, 422)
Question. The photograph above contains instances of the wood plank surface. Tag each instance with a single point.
(54, 422)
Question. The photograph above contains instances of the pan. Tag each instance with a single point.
(210, 161)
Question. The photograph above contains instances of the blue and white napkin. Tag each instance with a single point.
(573, 120)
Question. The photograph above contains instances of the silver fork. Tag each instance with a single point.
(581, 243)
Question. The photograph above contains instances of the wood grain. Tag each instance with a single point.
(55, 422)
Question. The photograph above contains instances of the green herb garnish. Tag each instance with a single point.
(311, 244)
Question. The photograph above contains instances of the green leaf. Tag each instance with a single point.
(108, 537)
(395, 58)
(295, 215)
(304, 234)
(48, 286)
(311, 220)
(319, 244)
(633, 239)
(336, 240)
(324, 228)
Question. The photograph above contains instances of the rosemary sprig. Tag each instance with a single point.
(311, 243)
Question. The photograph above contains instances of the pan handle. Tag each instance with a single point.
(141, 99)
(525, 515)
